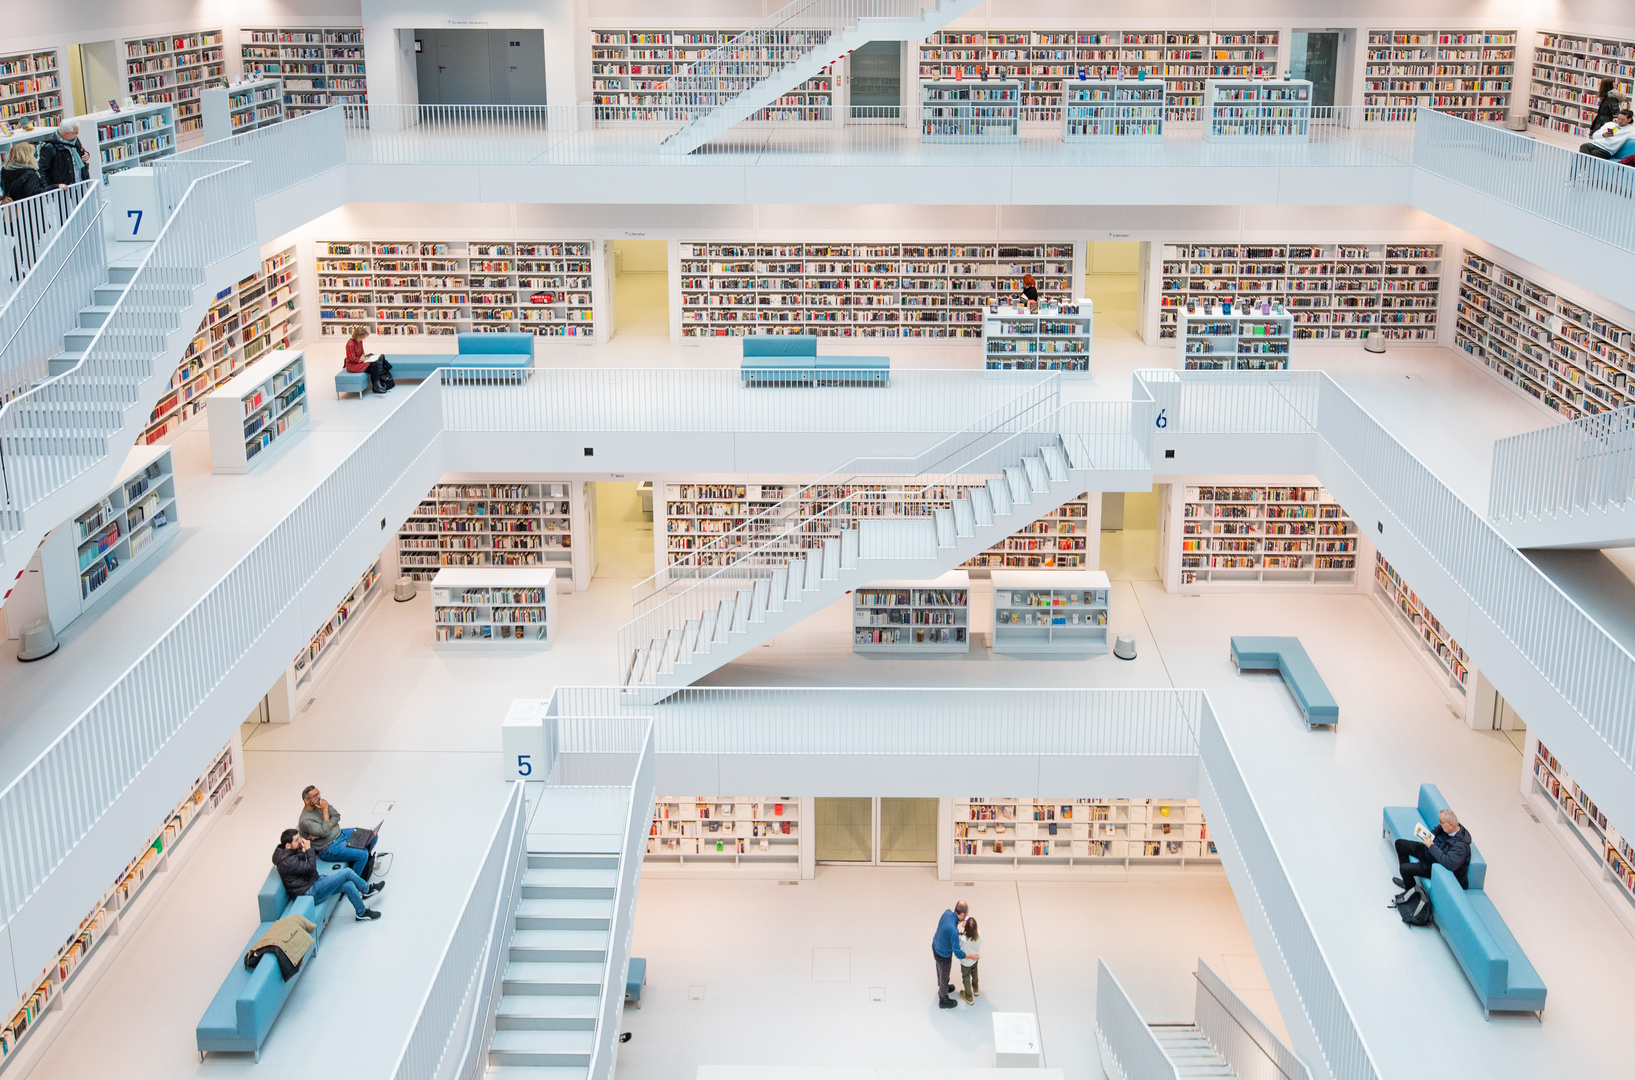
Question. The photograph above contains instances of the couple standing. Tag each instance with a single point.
(956, 936)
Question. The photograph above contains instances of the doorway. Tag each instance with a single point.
(1129, 534)
(1315, 55)
(1112, 281)
(876, 831)
(480, 67)
(641, 288)
(874, 82)
(94, 74)
(624, 529)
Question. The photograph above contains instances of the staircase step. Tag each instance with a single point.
(538, 1072)
(581, 860)
(982, 506)
(543, 883)
(567, 1011)
(1033, 467)
(95, 315)
(121, 275)
(559, 946)
(999, 493)
(541, 1046)
(1017, 480)
(530, 978)
(1056, 464)
(108, 294)
(565, 913)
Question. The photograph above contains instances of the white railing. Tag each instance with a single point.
(1243, 829)
(1585, 194)
(59, 257)
(281, 155)
(1566, 469)
(56, 800)
(1215, 402)
(1252, 1050)
(456, 1013)
(1128, 1046)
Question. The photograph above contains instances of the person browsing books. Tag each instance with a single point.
(358, 361)
(1030, 289)
(320, 825)
(1449, 845)
(967, 963)
(945, 947)
(297, 866)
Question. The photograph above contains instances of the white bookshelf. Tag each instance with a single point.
(1121, 111)
(106, 541)
(257, 410)
(326, 645)
(122, 140)
(1219, 338)
(970, 112)
(440, 288)
(250, 317)
(744, 833)
(234, 110)
(863, 290)
(1468, 73)
(1563, 354)
(1567, 72)
(1012, 834)
(1044, 59)
(484, 609)
(1057, 337)
(498, 522)
(1336, 292)
(319, 67)
(629, 70)
(1258, 536)
(1057, 541)
(913, 618)
(31, 89)
(1054, 613)
(1262, 110)
(172, 70)
(1594, 843)
(1408, 612)
(49, 1001)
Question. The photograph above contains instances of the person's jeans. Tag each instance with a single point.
(355, 858)
(973, 987)
(340, 881)
(944, 972)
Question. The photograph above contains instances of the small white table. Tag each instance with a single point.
(1016, 1041)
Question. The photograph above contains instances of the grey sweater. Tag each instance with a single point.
(320, 833)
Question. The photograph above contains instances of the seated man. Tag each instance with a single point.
(320, 824)
(1450, 847)
(1615, 138)
(297, 867)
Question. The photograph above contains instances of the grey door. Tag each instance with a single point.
(481, 67)
(522, 61)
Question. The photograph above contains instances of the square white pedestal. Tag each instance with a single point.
(1016, 1041)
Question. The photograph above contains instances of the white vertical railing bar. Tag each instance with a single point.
(1252, 1050)
(281, 155)
(1126, 1041)
(55, 285)
(1568, 469)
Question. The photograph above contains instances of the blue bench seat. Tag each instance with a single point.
(793, 360)
(1400, 822)
(635, 978)
(1492, 959)
(500, 352)
(1287, 657)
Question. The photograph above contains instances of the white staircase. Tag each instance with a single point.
(1189, 1050)
(732, 83)
(940, 524)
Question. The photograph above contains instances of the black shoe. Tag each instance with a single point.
(367, 914)
(377, 388)
(375, 887)
(1399, 883)
(947, 1003)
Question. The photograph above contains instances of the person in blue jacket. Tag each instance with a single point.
(944, 947)
(1450, 847)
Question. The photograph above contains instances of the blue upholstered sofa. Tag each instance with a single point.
(792, 360)
(1400, 821)
(502, 352)
(1287, 657)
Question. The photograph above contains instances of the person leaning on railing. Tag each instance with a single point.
(63, 160)
(20, 178)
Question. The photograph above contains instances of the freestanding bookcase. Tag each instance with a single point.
(970, 112)
(1113, 110)
(1270, 110)
(256, 410)
(1054, 338)
(117, 141)
(1050, 613)
(913, 618)
(233, 110)
(1213, 341)
(482, 609)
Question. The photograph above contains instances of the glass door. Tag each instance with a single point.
(876, 831)
(875, 83)
(1315, 55)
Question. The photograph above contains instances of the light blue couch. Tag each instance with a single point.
(1400, 822)
(241, 1015)
(792, 360)
(501, 352)
(1287, 657)
(1504, 979)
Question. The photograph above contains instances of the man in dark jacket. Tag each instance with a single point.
(1450, 846)
(944, 947)
(62, 159)
(297, 867)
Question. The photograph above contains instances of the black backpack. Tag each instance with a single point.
(1415, 908)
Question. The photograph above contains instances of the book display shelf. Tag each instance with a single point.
(1467, 73)
(1057, 541)
(487, 609)
(1057, 613)
(259, 408)
(1128, 833)
(31, 89)
(258, 313)
(1259, 535)
(860, 290)
(1448, 660)
(1561, 353)
(85, 957)
(331, 639)
(172, 70)
(913, 618)
(318, 67)
(1129, 110)
(1567, 71)
(745, 833)
(1057, 337)
(1336, 292)
(1044, 60)
(970, 112)
(630, 68)
(117, 141)
(1595, 844)
(1272, 110)
(496, 524)
(233, 110)
(1221, 337)
(423, 287)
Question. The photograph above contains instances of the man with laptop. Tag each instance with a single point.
(320, 824)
